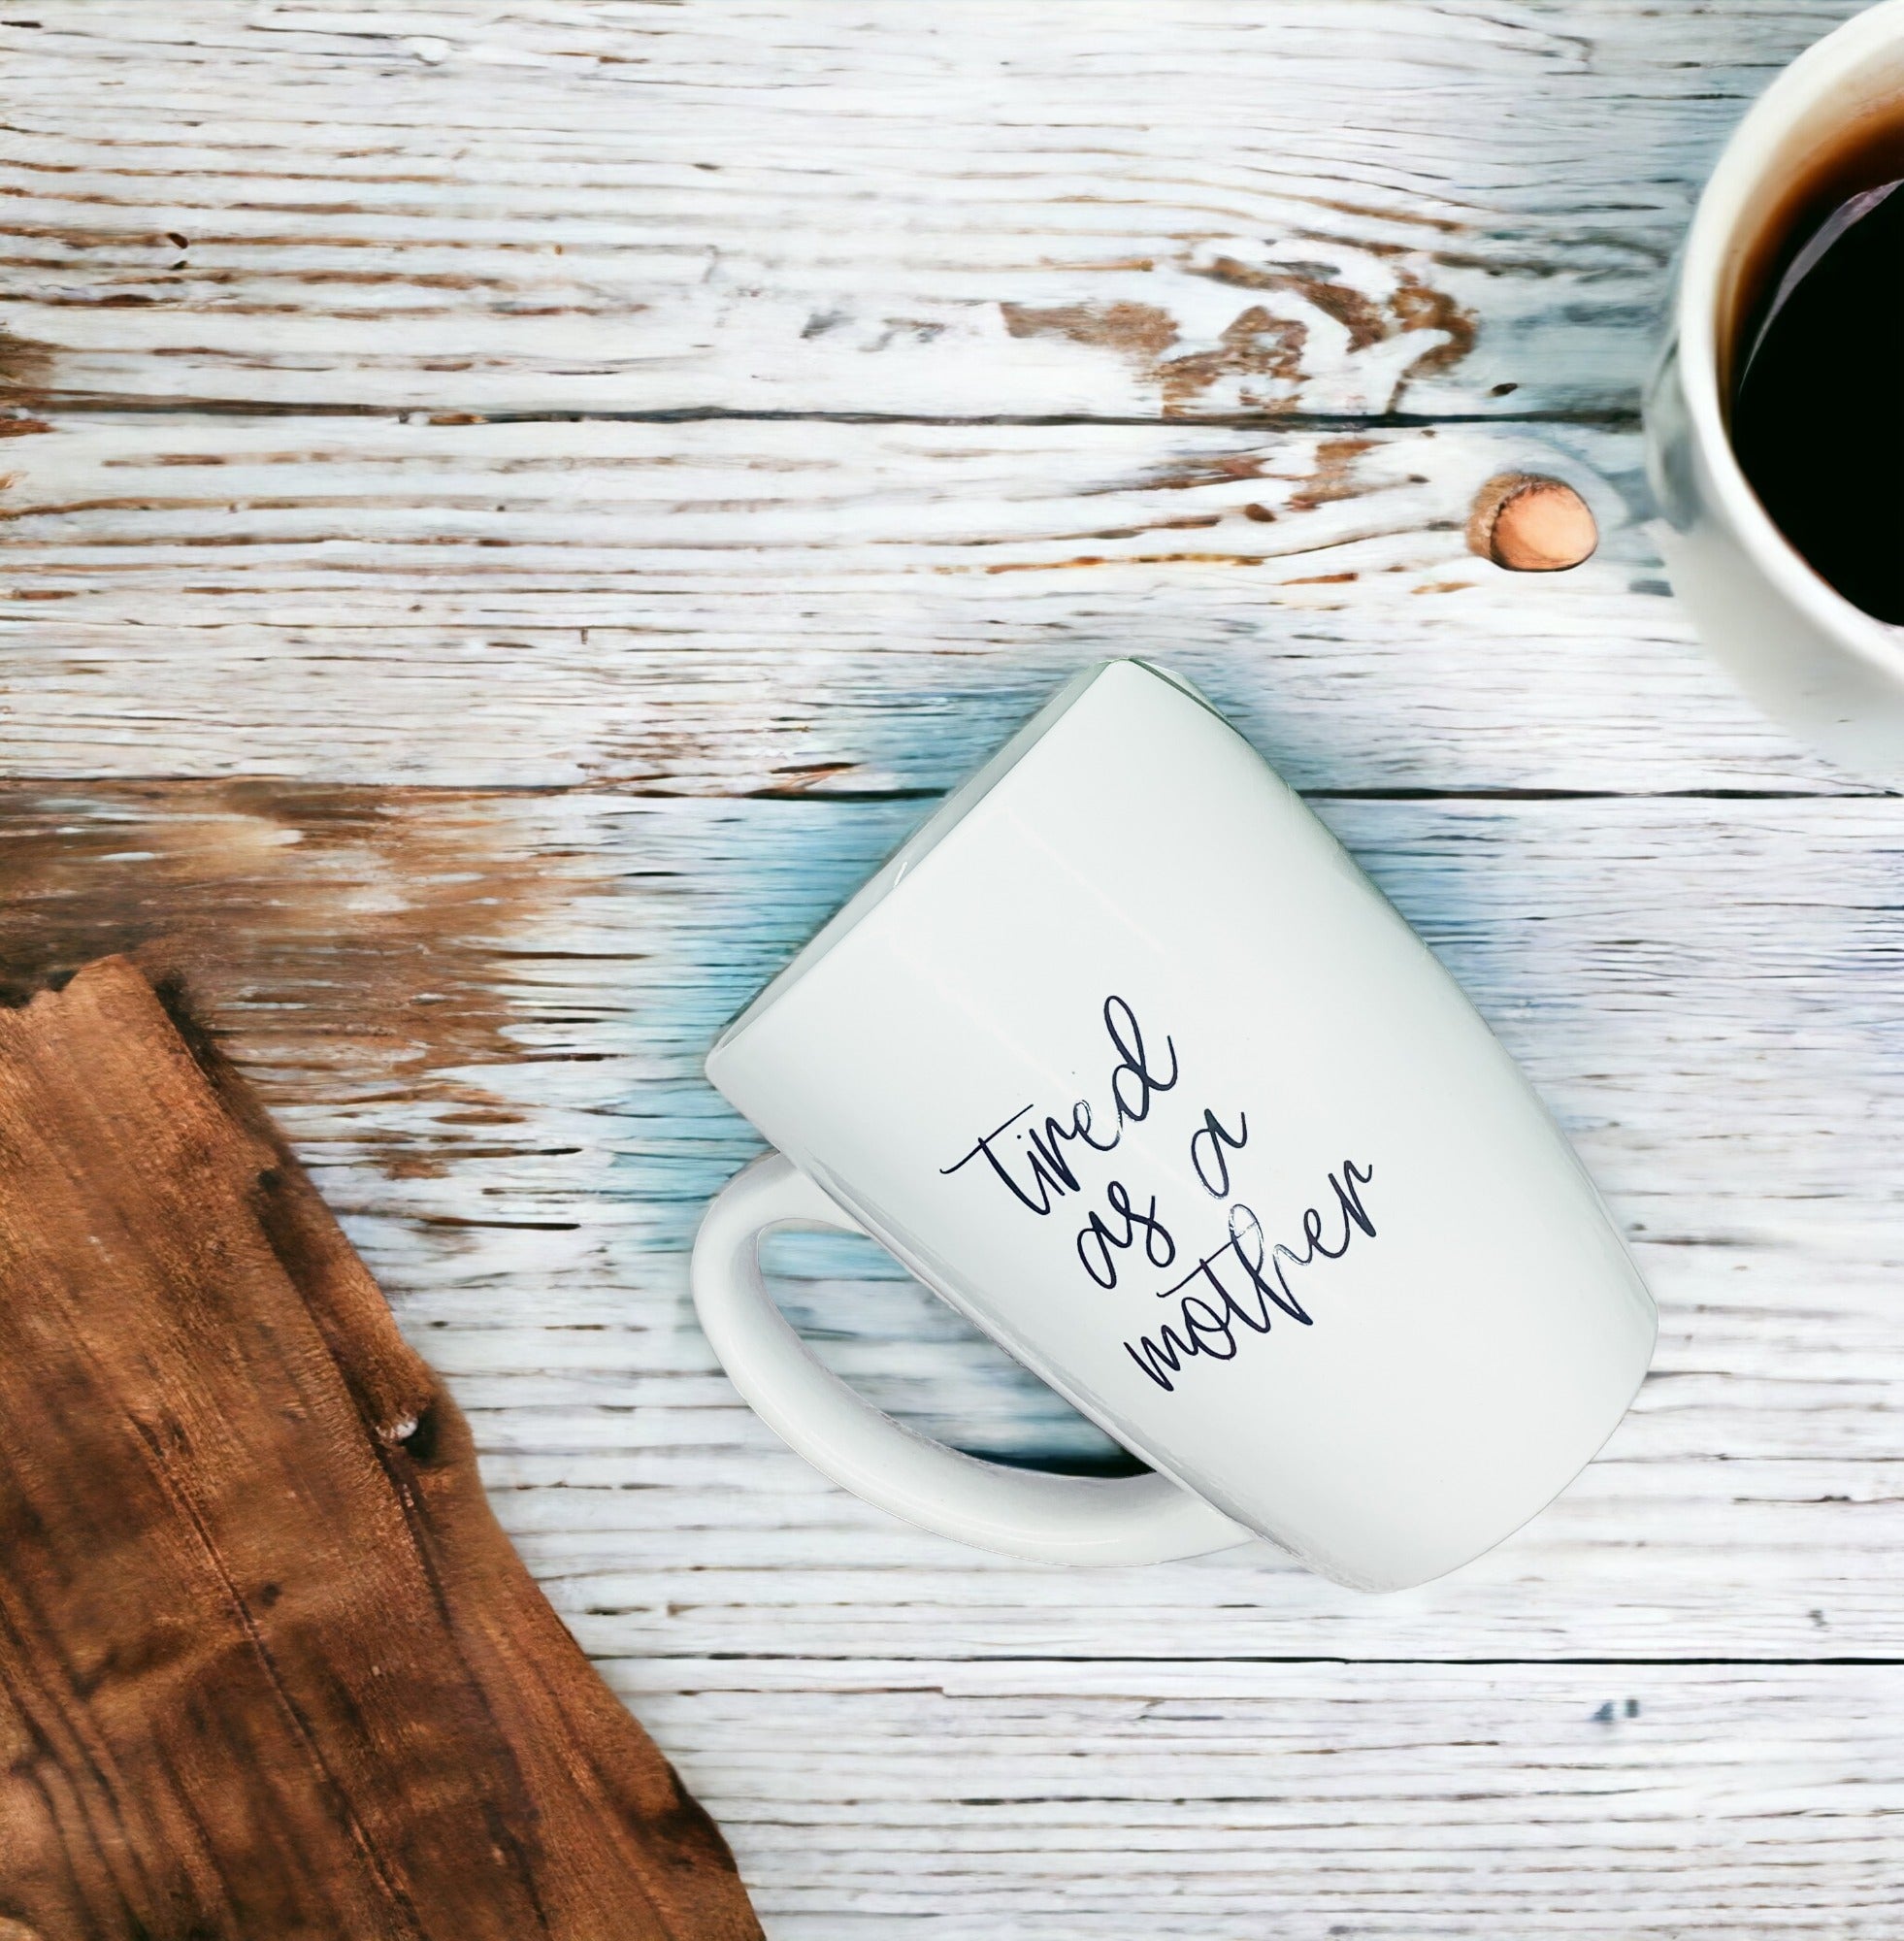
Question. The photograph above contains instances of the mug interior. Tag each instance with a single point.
(1826, 144)
(1785, 158)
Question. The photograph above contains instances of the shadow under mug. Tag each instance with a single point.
(1813, 661)
(1123, 1057)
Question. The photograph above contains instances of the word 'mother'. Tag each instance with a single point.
(1245, 1279)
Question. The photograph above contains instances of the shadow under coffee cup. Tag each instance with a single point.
(1809, 656)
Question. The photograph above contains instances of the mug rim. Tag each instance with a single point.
(1711, 239)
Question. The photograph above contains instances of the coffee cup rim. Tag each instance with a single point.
(1711, 242)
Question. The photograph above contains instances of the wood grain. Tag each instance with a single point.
(1198, 209)
(1125, 1799)
(267, 1665)
(749, 608)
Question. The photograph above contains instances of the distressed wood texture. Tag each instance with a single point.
(737, 608)
(1120, 1801)
(1349, 206)
(421, 621)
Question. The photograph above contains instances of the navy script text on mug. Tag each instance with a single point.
(1244, 1281)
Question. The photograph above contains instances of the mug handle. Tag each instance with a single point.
(1024, 1513)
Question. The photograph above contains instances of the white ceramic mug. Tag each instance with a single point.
(1809, 657)
(1124, 1057)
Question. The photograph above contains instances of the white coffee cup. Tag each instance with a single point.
(1812, 660)
(1124, 1057)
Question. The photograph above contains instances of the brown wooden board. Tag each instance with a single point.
(268, 1664)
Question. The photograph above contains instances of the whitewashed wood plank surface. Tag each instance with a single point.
(483, 734)
(1125, 1801)
(1352, 206)
(733, 607)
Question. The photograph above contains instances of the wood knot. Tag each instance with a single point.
(1529, 523)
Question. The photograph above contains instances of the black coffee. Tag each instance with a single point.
(1817, 404)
